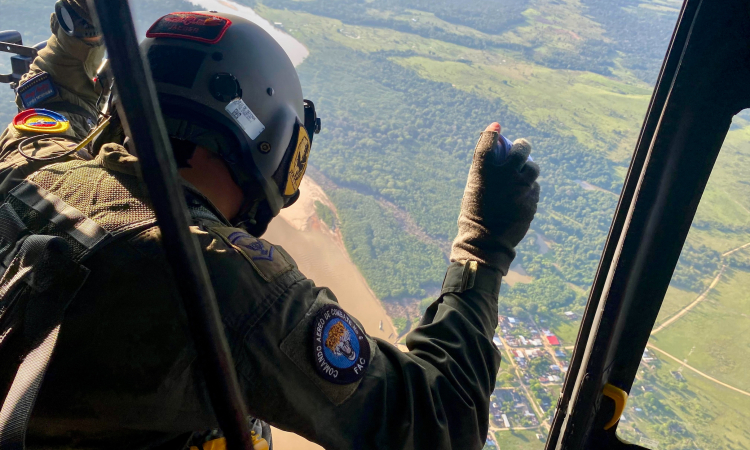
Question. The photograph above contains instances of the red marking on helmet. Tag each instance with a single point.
(192, 26)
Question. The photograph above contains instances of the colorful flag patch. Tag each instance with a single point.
(41, 121)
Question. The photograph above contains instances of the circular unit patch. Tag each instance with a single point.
(340, 348)
(41, 121)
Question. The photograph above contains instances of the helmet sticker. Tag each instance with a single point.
(244, 117)
(340, 349)
(189, 25)
(299, 162)
(41, 121)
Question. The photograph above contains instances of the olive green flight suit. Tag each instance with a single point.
(124, 374)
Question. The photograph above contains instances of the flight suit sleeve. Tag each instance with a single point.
(71, 65)
(60, 80)
(435, 396)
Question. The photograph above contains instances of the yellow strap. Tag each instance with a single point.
(620, 398)
(93, 134)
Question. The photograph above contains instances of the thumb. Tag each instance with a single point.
(487, 142)
(494, 126)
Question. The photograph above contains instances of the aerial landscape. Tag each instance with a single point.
(404, 87)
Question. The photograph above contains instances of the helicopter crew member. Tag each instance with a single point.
(123, 374)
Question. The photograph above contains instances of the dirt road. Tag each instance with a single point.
(692, 305)
(708, 377)
(530, 398)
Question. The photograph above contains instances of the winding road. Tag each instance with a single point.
(708, 377)
(687, 309)
(692, 305)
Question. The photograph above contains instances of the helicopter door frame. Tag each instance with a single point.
(702, 85)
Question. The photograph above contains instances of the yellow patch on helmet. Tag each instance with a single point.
(299, 162)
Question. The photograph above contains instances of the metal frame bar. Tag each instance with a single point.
(21, 50)
(142, 119)
(703, 83)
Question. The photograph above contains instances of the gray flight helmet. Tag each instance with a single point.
(226, 84)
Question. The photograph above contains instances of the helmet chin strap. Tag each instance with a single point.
(255, 215)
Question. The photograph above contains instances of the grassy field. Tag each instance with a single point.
(601, 111)
(717, 331)
(691, 414)
(519, 440)
(675, 300)
(724, 211)
(565, 329)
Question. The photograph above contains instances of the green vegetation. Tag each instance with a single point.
(394, 263)
(391, 133)
(325, 214)
(717, 331)
(683, 415)
(519, 440)
(400, 122)
(712, 337)
(675, 300)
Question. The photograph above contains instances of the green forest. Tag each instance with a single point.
(406, 136)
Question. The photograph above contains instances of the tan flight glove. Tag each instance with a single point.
(499, 203)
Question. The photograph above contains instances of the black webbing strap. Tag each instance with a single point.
(44, 271)
(42, 275)
(71, 108)
(42, 278)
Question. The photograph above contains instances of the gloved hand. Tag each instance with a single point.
(499, 203)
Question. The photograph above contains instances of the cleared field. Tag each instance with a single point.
(717, 331)
(675, 300)
(603, 113)
(695, 413)
(519, 440)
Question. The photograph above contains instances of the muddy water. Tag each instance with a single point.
(321, 256)
(317, 253)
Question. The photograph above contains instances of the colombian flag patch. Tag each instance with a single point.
(41, 121)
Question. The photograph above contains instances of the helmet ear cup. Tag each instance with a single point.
(72, 23)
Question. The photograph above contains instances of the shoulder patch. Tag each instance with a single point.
(339, 377)
(268, 260)
(36, 89)
(340, 348)
(39, 120)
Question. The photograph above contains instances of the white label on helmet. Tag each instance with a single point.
(245, 118)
